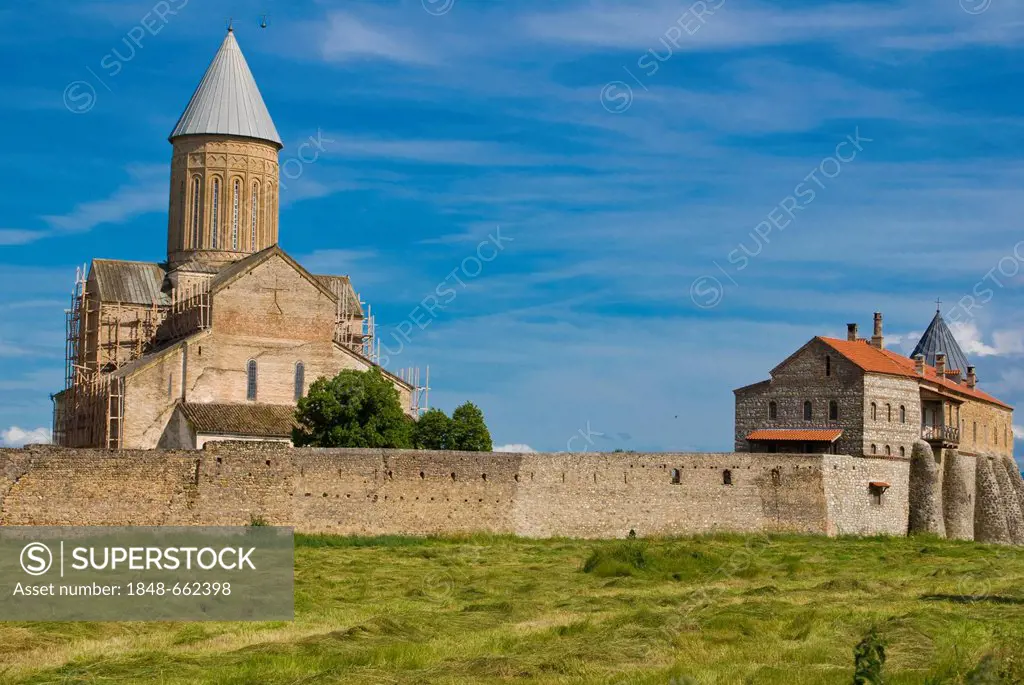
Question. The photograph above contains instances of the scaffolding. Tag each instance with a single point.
(189, 311)
(420, 396)
(90, 413)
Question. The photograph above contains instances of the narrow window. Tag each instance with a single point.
(903, 451)
(727, 477)
(874, 411)
(828, 365)
(776, 477)
(808, 413)
(876, 496)
(773, 410)
(833, 411)
(250, 390)
(255, 215)
(975, 431)
(888, 451)
(675, 476)
(874, 449)
(195, 212)
(300, 380)
(235, 206)
(214, 207)
(183, 214)
(888, 412)
(903, 414)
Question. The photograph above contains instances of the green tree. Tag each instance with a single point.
(468, 431)
(432, 431)
(353, 409)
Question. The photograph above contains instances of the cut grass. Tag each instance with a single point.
(492, 609)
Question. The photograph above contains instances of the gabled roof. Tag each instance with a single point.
(256, 420)
(227, 100)
(232, 271)
(873, 360)
(938, 338)
(129, 282)
(341, 286)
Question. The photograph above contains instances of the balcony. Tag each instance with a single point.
(944, 434)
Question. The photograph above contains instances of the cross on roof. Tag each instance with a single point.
(938, 305)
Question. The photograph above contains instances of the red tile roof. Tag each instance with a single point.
(797, 434)
(874, 360)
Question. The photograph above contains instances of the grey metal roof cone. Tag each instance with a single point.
(938, 338)
(227, 100)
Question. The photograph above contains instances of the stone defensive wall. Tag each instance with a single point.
(375, 492)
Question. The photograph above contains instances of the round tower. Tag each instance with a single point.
(224, 168)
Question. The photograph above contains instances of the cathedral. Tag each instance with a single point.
(219, 341)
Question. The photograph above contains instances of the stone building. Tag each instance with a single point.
(855, 397)
(220, 340)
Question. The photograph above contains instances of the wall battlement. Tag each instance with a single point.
(373, 492)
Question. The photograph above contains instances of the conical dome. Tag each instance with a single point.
(227, 100)
(938, 338)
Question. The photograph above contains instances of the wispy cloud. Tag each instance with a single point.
(146, 192)
(14, 236)
(16, 436)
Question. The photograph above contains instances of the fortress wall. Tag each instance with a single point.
(1010, 503)
(990, 523)
(926, 511)
(413, 492)
(958, 491)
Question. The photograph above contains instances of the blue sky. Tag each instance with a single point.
(649, 170)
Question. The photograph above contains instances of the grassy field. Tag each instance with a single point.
(725, 609)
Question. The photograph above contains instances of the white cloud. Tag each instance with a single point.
(17, 437)
(16, 236)
(514, 447)
(1018, 432)
(145, 193)
(347, 37)
(971, 340)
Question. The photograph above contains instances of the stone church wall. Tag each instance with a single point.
(418, 492)
(889, 393)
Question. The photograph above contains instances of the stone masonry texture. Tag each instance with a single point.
(989, 514)
(371, 492)
(958, 488)
(926, 514)
(1011, 506)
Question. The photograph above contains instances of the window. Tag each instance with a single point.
(808, 413)
(727, 477)
(903, 414)
(300, 380)
(975, 431)
(874, 411)
(828, 365)
(675, 476)
(235, 202)
(776, 477)
(255, 215)
(888, 412)
(833, 410)
(215, 201)
(995, 436)
(903, 451)
(773, 410)
(195, 212)
(888, 451)
(250, 389)
(876, 496)
(874, 449)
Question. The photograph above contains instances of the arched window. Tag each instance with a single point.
(888, 451)
(888, 412)
(903, 451)
(808, 412)
(833, 410)
(215, 214)
(828, 365)
(250, 388)
(727, 477)
(236, 199)
(995, 436)
(675, 477)
(194, 219)
(975, 431)
(903, 414)
(300, 380)
(874, 449)
(773, 410)
(255, 215)
(874, 411)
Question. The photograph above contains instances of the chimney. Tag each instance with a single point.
(919, 364)
(851, 332)
(940, 364)
(972, 377)
(877, 340)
